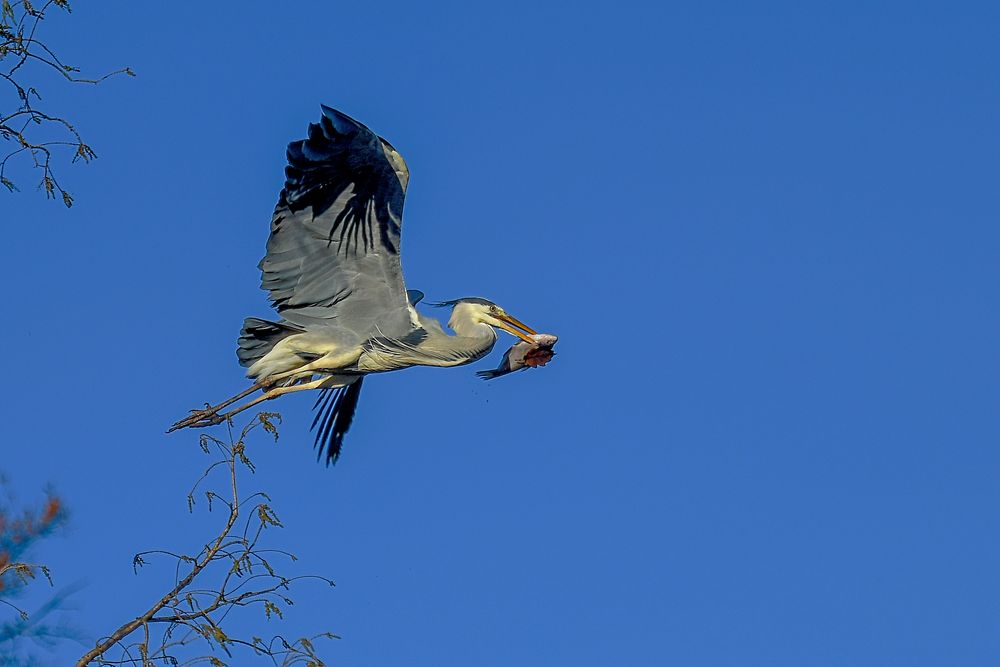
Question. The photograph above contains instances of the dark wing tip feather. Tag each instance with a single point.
(335, 410)
(330, 146)
(340, 153)
(340, 121)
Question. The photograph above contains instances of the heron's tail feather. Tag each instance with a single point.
(258, 337)
(334, 413)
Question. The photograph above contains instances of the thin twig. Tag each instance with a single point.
(189, 613)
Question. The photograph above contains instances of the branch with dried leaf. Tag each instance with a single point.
(36, 135)
(191, 622)
(25, 573)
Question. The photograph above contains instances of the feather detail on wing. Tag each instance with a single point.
(333, 253)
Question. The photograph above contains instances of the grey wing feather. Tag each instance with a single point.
(333, 253)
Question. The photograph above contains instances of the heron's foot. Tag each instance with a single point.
(210, 420)
(200, 419)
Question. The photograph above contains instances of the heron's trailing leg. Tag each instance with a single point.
(210, 410)
(210, 415)
(215, 418)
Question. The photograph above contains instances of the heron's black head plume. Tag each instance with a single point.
(468, 299)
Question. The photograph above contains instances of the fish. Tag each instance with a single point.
(523, 355)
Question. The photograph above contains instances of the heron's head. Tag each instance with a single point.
(482, 311)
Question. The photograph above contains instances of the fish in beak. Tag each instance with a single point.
(522, 355)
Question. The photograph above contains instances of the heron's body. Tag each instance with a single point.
(334, 275)
(329, 350)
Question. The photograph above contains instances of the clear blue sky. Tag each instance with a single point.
(768, 238)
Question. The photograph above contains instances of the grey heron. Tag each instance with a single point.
(333, 272)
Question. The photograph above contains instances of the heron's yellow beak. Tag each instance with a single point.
(508, 324)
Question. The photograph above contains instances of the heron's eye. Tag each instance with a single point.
(494, 310)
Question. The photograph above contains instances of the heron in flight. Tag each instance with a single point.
(333, 272)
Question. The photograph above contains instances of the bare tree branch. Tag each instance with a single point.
(187, 615)
(36, 134)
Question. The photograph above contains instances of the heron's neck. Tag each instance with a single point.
(469, 328)
(472, 340)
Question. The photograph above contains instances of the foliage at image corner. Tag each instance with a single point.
(21, 530)
(36, 134)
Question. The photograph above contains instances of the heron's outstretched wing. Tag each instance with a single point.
(333, 254)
